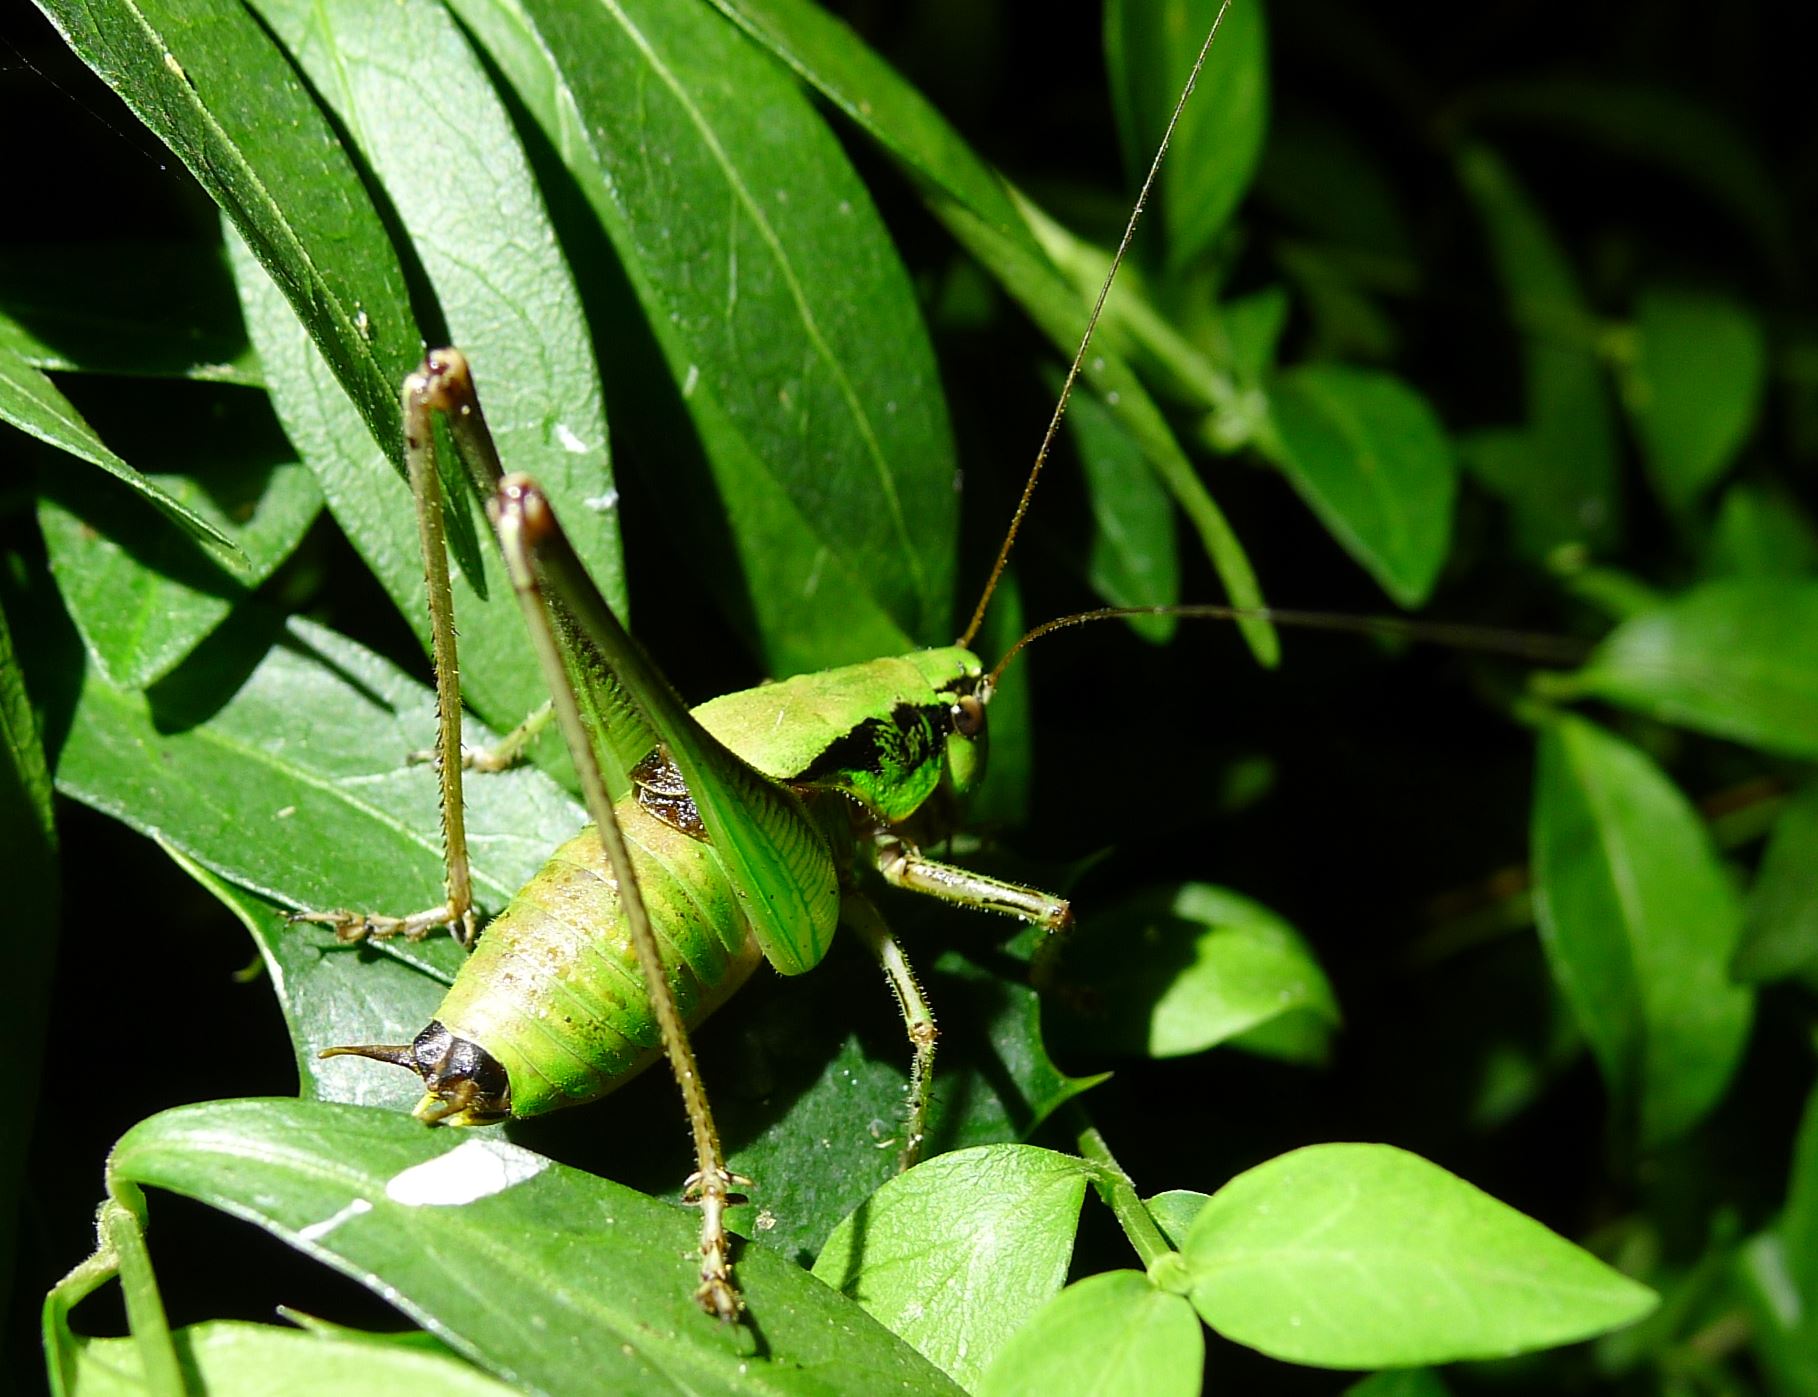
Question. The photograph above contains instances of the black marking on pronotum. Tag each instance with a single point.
(904, 740)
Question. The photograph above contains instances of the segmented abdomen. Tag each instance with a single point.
(553, 989)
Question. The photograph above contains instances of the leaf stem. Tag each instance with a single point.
(1119, 1193)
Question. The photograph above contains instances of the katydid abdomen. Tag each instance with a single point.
(553, 993)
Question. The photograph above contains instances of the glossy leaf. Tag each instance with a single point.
(977, 208)
(1557, 472)
(1798, 1229)
(31, 402)
(775, 297)
(503, 290)
(1105, 1336)
(143, 596)
(1639, 922)
(1446, 1271)
(1695, 387)
(233, 1356)
(956, 1253)
(164, 310)
(1736, 659)
(1131, 559)
(1174, 1212)
(1780, 932)
(1761, 532)
(1180, 968)
(1366, 453)
(28, 832)
(551, 1279)
(286, 772)
(1149, 51)
(276, 169)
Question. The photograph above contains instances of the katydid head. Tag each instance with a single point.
(465, 1084)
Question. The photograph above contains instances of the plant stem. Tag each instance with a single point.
(1120, 1195)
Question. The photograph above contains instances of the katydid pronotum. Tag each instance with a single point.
(737, 832)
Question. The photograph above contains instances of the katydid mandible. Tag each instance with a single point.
(726, 835)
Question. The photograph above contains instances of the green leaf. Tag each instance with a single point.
(276, 169)
(1799, 1225)
(1400, 1382)
(285, 771)
(143, 597)
(1366, 1256)
(1149, 51)
(1322, 175)
(232, 1356)
(504, 292)
(1695, 387)
(1639, 922)
(1735, 659)
(31, 402)
(1780, 932)
(977, 208)
(164, 310)
(955, 1254)
(1174, 1212)
(1761, 532)
(1108, 1335)
(1558, 472)
(1180, 968)
(549, 1278)
(1131, 559)
(775, 297)
(1367, 454)
(28, 833)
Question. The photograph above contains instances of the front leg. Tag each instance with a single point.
(858, 913)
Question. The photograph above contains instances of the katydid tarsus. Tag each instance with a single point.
(722, 837)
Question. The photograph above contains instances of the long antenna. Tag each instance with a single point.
(1079, 356)
(1521, 645)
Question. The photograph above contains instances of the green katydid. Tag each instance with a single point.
(736, 831)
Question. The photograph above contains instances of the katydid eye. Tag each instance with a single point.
(968, 716)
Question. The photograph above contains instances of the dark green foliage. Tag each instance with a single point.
(1502, 322)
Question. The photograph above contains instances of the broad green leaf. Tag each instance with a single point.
(955, 1254)
(1106, 1336)
(1799, 1224)
(1174, 1212)
(233, 1356)
(551, 1279)
(1737, 659)
(164, 310)
(1694, 389)
(1400, 1382)
(1639, 922)
(1149, 51)
(1180, 968)
(276, 169)
(1780, 932)
(1131, 559)
(1325, 177)
(1761, 532)
(1558, 472)
(977, 208)
(504, 292)
(1366, 453)
(143, 597)
(783, 313)
(1366, 1256)
(31, 402)
(285, 771)
(28, 833)
(1787, 1355)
